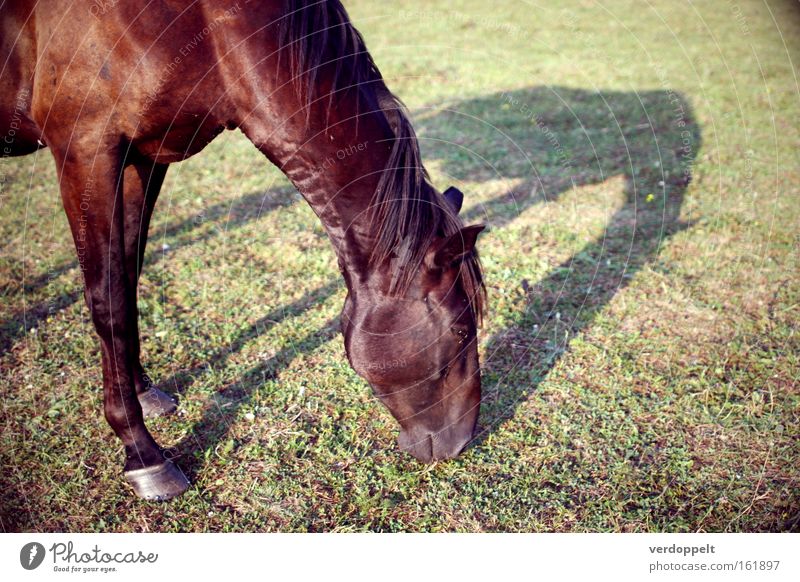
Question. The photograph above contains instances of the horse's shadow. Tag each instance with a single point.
(545, 141)
(220, 412)
(224, 216)
(549, 140)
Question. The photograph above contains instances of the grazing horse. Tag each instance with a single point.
(119, 90)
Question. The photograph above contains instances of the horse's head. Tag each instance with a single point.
(419, 350)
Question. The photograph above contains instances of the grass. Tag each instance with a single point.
(640, 358)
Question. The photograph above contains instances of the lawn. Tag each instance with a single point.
(638, 165)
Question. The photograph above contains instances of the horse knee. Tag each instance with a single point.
(108, 312)
(122, 412)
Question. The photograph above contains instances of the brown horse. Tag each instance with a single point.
(119, 90)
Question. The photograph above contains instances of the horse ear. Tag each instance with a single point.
(455, 197)
(457, 246)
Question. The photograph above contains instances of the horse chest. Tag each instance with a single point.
(183, 139)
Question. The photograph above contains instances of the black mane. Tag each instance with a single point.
(408, 212)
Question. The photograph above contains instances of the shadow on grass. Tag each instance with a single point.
(181, 381)
(548, 140)
(221, 413)
(224, 216)
(551, 140)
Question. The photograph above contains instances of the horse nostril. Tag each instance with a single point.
(418, 444)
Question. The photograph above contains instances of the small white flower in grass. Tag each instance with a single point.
(301, 391)
(661, 182)
(165, 247)
(210, 514)
(250, 416)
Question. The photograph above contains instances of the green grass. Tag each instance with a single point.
(640, 357)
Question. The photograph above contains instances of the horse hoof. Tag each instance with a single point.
(159, 482)
(156, 403)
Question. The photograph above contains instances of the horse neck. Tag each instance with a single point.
(335, 157)
(334, 150)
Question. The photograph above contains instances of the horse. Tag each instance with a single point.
(120, 90)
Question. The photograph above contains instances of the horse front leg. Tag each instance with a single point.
(91, 189)
(141, 185)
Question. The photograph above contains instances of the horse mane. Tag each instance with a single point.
(407, 210)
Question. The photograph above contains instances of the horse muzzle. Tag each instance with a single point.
(427, 446)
